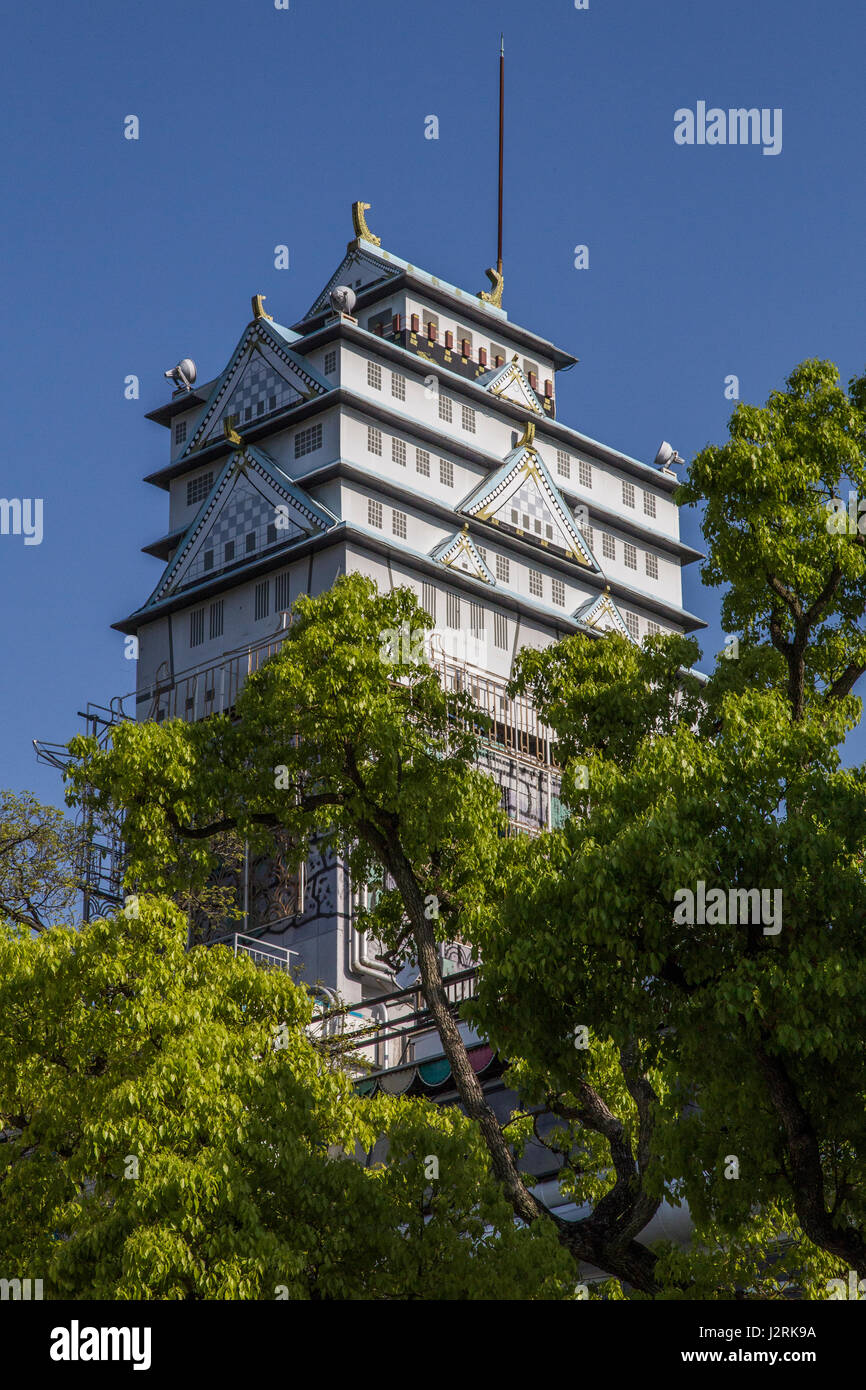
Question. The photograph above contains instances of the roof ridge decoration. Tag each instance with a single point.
(497, 283)
(359, 222)
(262, 368)
(357, 256)
(251, 497)
(460, 553)
(603, 614)
(522, 496)
(511, 383)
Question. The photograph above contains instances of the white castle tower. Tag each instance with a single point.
(404, 429)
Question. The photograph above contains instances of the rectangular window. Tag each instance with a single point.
(584, 473)
(649, 503)
(557, 592)
(271, 534)
(446, 472)
(428, 599)
(198, 488)
(196, 627)
(608, 546)
(652, 565)
(230, 552)
(398, 524)
(398, 386)
(536, 583)
(216, 619)
(263, 599)
(563, 464)
(422, 462)
(632, 622)
(281, 592)
(374, 376)
(587, 535)
(627, 494)
(453, 610)
(476, 618)
(180, 432)
(374, 513)
(251, 542)
(500, 631)
(482, 551)
(330, 363)
(445, 412)
(398, 451)
(652, 628)
(502, 568)
(208, 559)
(374, 440)
(630, 556)
(308, 441)
(468, 415)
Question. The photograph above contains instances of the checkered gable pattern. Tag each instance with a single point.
(260, 390)
(246, 513)
(533, 513)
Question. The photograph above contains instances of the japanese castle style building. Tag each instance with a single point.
(406, 430)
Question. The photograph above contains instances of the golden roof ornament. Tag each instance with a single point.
(527, 439)
(259, 307)
(359, 222)
(494, 296)
(231, 434)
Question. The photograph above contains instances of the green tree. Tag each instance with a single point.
(170, 1131)
(39, 852)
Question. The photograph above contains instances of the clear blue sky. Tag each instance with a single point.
(260, 127)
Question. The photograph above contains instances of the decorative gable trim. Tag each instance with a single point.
(252, 483)
(262, 339)
(524, 480)
(459, 552)
(357, 262)
(511, 384)
(602, 613)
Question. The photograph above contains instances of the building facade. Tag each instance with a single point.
(404, 429)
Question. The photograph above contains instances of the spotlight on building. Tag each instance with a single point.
(342, 299)
(183, 374)
(666, 456)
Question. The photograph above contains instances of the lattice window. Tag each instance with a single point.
(398, 451)
(649, 503)
(398, 524)
(632, 622)
(428, 599)
(398, 386)
(216, 619)
(584, 473)
(500, 631)
(198, 488)
(452, 610)
(180, 432)
(282, 585)
(330, 363)
(608, 546)
(422, 462)
(627, 494)
(308, 441)
(557, 592)
(536, 583)
(630, 556)
(652, 566)
(196, 627)
(446, 472)
(374, 513)
(374, 376)
(502, 568)
(563, 464)
(468, 416)
(445, 409)
(263, 599)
